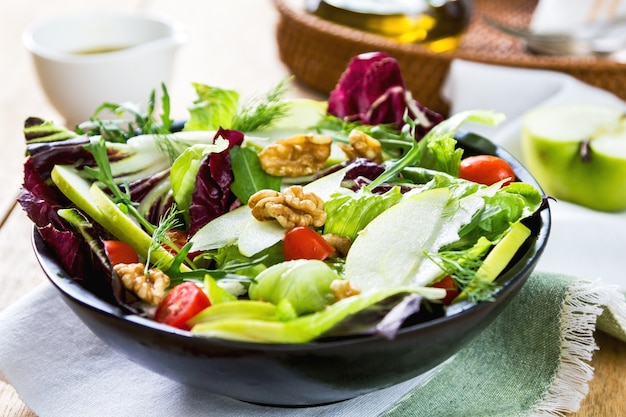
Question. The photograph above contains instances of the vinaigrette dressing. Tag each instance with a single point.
(100, 50)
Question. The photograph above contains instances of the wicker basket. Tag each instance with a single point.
(317, 51)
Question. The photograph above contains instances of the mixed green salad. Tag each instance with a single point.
(279, 220)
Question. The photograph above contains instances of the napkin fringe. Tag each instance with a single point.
(582, 305)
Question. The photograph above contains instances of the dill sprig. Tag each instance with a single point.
(170, 146)
(462, 267)
(260, 112)
(168, 221)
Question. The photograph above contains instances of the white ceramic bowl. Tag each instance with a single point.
(86, 59)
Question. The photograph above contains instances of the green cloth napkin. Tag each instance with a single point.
(532, 359)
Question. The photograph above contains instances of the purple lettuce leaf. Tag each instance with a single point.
(212, 196)
(49, 145)
(41, 203)
(39, 200)
(77, 257)
(154, 195)
(46, 155)
(372, 90)
(68, 249)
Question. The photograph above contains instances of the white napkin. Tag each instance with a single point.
(569, 16)
(583, 243)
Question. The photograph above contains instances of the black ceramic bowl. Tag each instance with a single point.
(301, 374)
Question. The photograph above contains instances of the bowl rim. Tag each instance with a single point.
(509, 279)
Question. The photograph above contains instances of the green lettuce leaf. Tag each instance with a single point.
(185, 169)
(347, 214)
(304, 283)
(214, 108)
(508, 205)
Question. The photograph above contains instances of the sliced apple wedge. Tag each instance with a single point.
(94, 202)
(577, 152)
(390, 250)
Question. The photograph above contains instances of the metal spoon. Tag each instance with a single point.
(597, 39)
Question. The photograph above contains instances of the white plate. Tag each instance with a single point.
(586, 244)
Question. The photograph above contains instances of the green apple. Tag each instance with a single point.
(577, 153)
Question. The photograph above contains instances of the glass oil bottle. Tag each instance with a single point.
(438, 24)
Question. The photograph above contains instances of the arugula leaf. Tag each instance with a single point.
(230, 264)
(116, 130)
(394, 142)
(137, 122)
(249, 176)
(436, 149)
(166, 120)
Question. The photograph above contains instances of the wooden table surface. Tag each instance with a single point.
(231, 45)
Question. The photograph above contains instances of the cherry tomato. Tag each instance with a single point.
(451, 287)
(120, 252)
(486, 169)
(180, 305)
(176, 237)
(304, 243)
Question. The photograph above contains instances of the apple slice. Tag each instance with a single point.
(95, 203)
(501, 254)
(577, 153)
(390, 251)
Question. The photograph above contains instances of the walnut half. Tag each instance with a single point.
(150, 289)
(363, 145)
(293, 207)
(296, 156)
(342, 288)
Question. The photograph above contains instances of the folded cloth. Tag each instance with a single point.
(532, 360)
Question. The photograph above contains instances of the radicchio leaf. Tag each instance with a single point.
(389, 326)
(48, 154)
(360, 170)
(41, 203)
(153, 194)
(371, 90)
(39, 200)
(47, 146)
(67, 247)
(212, 196)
